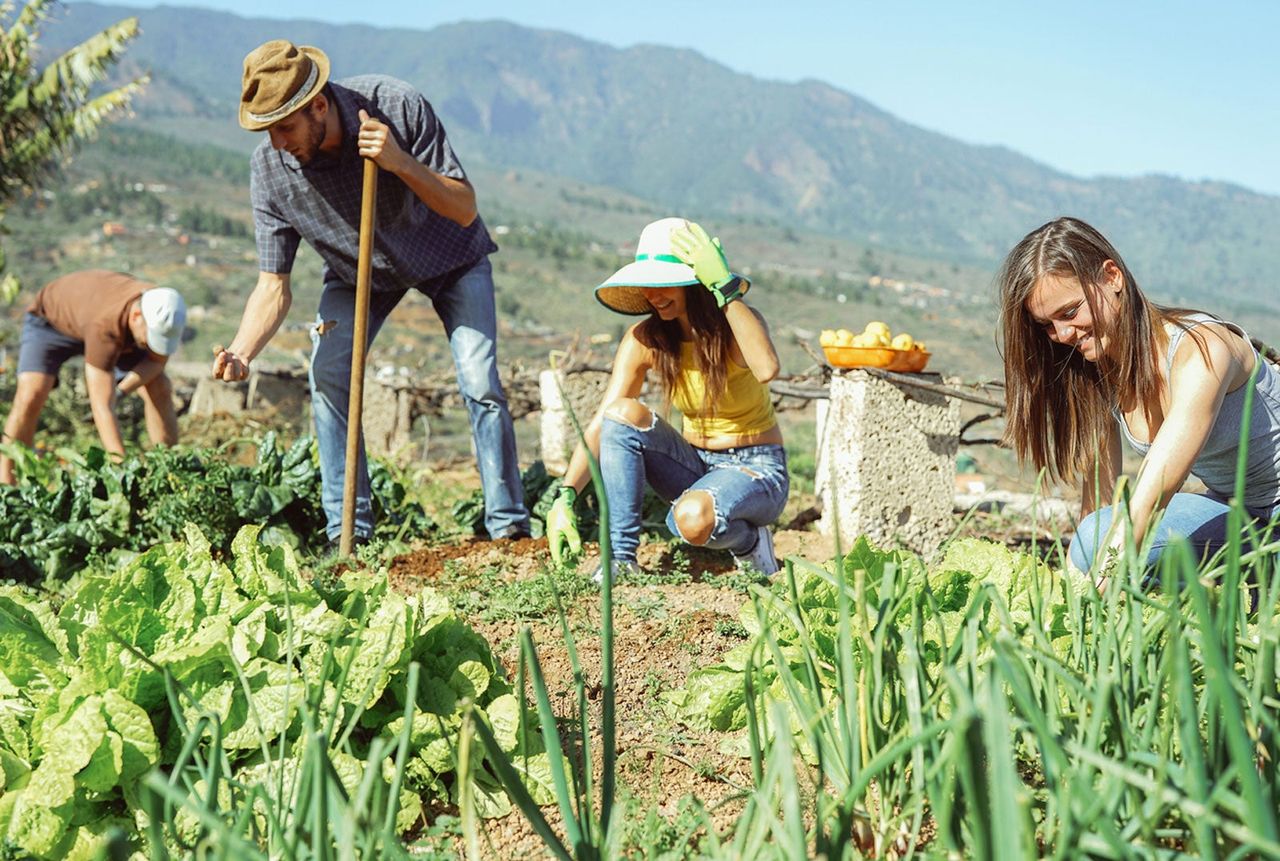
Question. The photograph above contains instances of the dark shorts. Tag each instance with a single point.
(44, 349)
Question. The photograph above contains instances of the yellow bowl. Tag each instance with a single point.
(860, 357)
(888, 358)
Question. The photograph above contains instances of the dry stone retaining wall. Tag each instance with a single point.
(389, 416)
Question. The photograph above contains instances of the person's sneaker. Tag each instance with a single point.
(622, 567)
(515, 533)
(760, 559)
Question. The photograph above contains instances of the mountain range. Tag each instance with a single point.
(676, 128)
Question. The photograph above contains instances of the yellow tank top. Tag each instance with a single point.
(743, 409)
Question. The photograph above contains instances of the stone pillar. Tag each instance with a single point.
(214, 396)
(387, 420)
(557, 390)
(886, 462)
(286, 392)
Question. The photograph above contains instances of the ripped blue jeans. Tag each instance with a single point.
(747, 485)
(1200, 518)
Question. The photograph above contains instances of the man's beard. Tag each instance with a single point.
(315, 137)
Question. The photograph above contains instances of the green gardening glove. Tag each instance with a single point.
(692, 245)
(562, 526)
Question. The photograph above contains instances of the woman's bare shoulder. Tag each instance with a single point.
(1206, 331)
(634, 346)
(1214, 344)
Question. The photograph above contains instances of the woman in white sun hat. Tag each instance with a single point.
(712, 357)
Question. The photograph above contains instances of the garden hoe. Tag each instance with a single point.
(359, 346)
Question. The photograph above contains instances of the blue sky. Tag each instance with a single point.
(1185, 88)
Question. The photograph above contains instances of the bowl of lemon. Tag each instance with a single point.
(875, 347)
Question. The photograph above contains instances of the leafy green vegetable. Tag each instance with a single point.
(247, 642)
(99, 510)
(893, 585)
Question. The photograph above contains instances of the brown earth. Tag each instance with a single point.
(662, 631)
(683, 617)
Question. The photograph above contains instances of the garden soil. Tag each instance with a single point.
(663, 631)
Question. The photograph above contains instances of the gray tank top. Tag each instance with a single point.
(1216, 465)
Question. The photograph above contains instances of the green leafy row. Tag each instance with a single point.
(991, 706)
(88, 709)
(889, 581)
(58, 520)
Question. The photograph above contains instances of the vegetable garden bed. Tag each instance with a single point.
(256, 703)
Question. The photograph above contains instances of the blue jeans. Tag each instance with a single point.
(467, 310)
(748, 485)
(1200, 519)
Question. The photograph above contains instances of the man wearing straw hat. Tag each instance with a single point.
(305, 183)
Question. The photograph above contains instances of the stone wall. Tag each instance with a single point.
(389, 417)
(885, 452)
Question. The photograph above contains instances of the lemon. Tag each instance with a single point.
(844, 338)
(827, 338)
(878, 328)
(903, 342)
(865, 340)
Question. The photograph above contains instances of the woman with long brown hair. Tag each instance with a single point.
(725, 471)
(1089, 359)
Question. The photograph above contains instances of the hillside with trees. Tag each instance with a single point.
(804, 154)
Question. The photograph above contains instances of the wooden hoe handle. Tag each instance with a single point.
(359, 346)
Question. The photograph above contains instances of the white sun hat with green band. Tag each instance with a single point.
(656, 265)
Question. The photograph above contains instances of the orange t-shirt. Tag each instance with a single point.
(92, 306)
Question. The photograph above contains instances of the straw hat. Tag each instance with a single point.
(279, 78)
(656, 265)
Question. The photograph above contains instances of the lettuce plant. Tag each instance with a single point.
(242, 662)
(889, 586)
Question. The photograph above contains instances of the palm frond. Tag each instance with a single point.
(44, 112)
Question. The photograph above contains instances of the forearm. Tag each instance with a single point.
(753, 340)
(142, 374)
(104, 419)
(1100, 481)
(1097, 491)
(264, 312)
(1163, 472)
(455, 199)
(1087, 504)
(100, 384)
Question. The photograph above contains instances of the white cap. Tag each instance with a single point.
(165, 314)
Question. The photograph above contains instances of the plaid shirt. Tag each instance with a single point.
(413, 246)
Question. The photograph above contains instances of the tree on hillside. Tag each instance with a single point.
(43, 112)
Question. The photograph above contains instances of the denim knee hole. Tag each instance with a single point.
(675, 522)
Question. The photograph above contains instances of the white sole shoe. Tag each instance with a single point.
(761, 558)
(620, 566)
